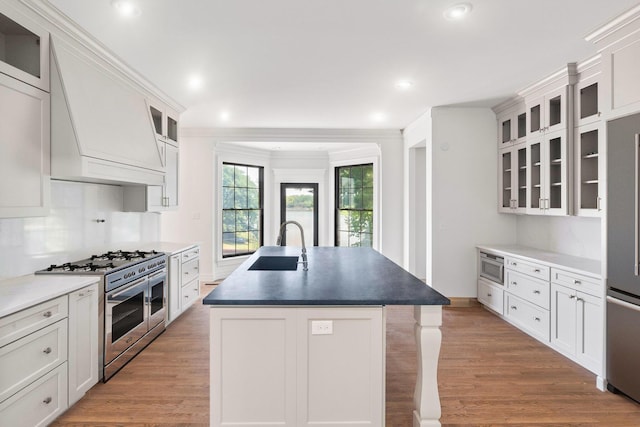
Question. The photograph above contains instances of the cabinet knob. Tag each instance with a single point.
(488, 295)
(537, 319)
(514, 264)
(599, 113)
(536, 292)
(47, 400)
(513, 307)
(186, 272)
(47, 314)
(572, 296)
(81, 294)
(47, 350)
(577, 282)
(537, 270)
(514, 283)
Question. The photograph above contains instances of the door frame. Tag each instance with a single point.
(283, 207)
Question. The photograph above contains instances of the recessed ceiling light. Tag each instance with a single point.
(194, 82)
(457, 11)
(126, 8)
(378, 117)
(404, 84)
(225, 116)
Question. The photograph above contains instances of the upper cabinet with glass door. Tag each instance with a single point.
(165, 123)
(512, 124)
(24, 49)
(549, 102)
(588, 93)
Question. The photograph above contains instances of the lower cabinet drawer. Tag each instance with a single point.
(529, 317)
(190, 293)
(190, 270)
(22, 323)
(577, 281)
(39, 403)
(533, 269)
(528, 288)
(27, 359)
(491, 295)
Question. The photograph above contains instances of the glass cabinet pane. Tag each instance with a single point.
(536, 175)
(589, 169)
(19, 47)
(522, 125)
(535, 118)
(172, 128)
(506, 130)
(555, 173)
(522, 178)
(589, 101)
(506, 179)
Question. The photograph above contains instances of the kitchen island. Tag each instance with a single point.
(301, 348)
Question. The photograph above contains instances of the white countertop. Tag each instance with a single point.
(590, 267)
(25, 291)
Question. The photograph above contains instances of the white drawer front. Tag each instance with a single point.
(190, 270)
(527, 267)
(39, 403)
(529, 317)
(528, 288)
(578, 282)
(23, 361)
(22, 323)
(491, 295)
(190, 293)
(190, 254)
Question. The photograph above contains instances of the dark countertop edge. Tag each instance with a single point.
(334, 303)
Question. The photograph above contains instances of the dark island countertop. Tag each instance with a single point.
(336, 276)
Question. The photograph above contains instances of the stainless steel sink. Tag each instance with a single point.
(275, 263)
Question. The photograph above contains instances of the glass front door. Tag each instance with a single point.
(299, 202)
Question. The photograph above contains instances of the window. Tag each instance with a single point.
(354, 205)
(242, 209)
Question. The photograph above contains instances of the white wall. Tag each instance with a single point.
(196, 218)
(70, 232)
(461, 194)
(569, 235)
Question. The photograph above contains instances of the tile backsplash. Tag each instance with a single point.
(73, 230)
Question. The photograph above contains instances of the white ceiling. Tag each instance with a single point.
(334, 63)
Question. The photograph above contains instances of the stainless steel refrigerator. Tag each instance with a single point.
(623, 256)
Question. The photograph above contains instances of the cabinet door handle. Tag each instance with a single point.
(47, 400)
(47, 314)
(47, 350)
(513, 307)
(579, 299)
(537, 270)
(514, 264)
(572, 296)
(536, 292)
(537, 319)
(81, 294)
(488, 295)
(540, 204)
(514, 283)
(577, 282)
(599, 203)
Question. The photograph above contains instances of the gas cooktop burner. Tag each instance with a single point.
(124, 255)
(89, 266)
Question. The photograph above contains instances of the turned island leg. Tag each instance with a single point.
(428, 338)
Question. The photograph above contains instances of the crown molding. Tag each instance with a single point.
(296, 134)
(566, 76)
(615, 25)
(62, 25)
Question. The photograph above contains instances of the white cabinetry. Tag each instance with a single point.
(576, 325)
(548, 171)
(513, 179)
(268, 367)
(560, 307)
(24, 149)
(33, 364)
(527, 296)
(184, 283)
(83, 341)
(512, 125)
(164, 121)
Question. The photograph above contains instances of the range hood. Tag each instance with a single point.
(101, 130)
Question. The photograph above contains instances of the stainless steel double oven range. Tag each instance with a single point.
(132, 305)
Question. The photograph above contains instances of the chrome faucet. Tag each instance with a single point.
(283, 226)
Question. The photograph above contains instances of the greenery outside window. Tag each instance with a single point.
(354, 205)
(242, 209)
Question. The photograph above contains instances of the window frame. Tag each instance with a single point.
(336, 201)
(261, 190)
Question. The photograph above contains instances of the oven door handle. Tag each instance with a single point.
(157, 273)
(127, 287)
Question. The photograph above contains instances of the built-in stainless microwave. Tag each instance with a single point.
(491, 267)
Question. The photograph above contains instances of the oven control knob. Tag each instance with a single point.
(141, 270)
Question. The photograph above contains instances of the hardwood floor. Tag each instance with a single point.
(490, 374)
